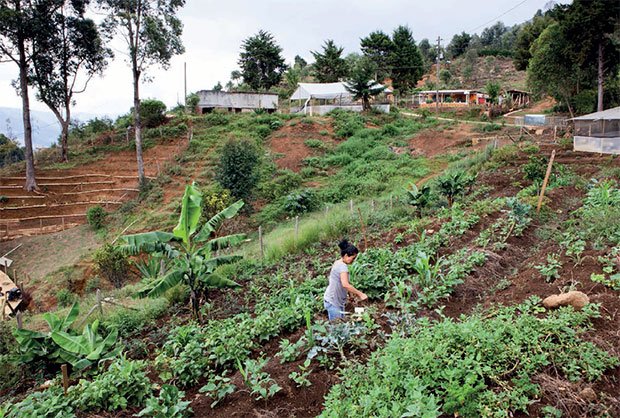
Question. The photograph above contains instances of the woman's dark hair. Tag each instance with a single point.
(347, 249)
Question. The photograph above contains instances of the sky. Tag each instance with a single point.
(214, 31)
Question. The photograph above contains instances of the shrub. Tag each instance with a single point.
(65, 298)
(237, 169)
(96, 217)
(315, 143)
(124, 384)
(112, 264)
(299, 202)
(214, 200)
(454, 184)
(534, 170)
(280, 185)
(152, 113)
(129, 322)
(169, 404)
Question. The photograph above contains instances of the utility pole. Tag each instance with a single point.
(185, 84)
(438, 64)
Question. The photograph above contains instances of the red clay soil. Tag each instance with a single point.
(70, 192)
(287, 143)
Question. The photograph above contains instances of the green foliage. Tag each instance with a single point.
(362, 85)
(291, 351)
(261, 385)
(329, 66)
(51, 403)
(124, 384)
(315, 143)
(152, 112)
(128, 322)
(215, 200)
(420, 198)
(534, 170)
(406, 60)
(299, 202)
(10, 151)
(237, 170)
(62, 345)
(551, 270)
(346, 124)
(301, 377)
(64, 298)
(454, 184)
(493, 89)
(112, 265)
(470, 367)
(218, 387)
(96, 216)
(191, 248)
(169, 404)
(261, 61)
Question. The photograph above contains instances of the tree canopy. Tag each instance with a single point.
(261, 61)
(152, 33)
(378, 47)
(459, 44)
(407, 66)
(329, 65)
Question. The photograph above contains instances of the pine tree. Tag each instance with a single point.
(261, 61)
(329, 66)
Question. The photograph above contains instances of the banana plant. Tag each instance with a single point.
(192, 249)
(418, 197)
(60, 345)
(82, 351)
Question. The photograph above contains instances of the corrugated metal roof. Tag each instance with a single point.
(609, 114)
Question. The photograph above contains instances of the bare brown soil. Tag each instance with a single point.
(287, 144)
(65, 195)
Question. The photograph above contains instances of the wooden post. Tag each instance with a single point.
(65, 378)
(19, 319)
(99, 305)
(555, 132)
(63, 223)
(296, 228)
(544, 185)
(260, 242)
(41, 225)
(372, 204)
(2, 307)
(359, 211)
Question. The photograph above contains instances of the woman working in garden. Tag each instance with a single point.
(336, 293)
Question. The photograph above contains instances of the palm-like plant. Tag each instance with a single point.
(192, 249)
(418, 197)
(362, 85)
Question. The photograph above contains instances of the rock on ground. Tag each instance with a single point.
(574, 298)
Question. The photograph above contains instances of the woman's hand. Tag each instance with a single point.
(362, 296)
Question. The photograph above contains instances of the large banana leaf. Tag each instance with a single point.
(217, 281)
(190, 214)
(159, 287)
(212, 263)
(225, 242)
(216, 221)
(149, 242)
(75, 344)
(57, 324)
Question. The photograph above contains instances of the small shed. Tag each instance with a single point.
(449, 98)
(518, 98)
(236, 101)
(321, 98)
(598, 132)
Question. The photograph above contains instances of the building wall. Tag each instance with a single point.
(225, 100)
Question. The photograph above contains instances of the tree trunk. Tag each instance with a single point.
(138, 125)
(64, 141)
(599, 106)
(31, 182)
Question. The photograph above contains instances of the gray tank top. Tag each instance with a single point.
(335, 293)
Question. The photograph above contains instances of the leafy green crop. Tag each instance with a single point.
(475, 367)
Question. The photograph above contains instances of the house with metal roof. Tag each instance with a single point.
(598, 132)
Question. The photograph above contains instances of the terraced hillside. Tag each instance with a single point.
(65, 195)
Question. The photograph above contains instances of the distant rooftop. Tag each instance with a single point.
(609, 114)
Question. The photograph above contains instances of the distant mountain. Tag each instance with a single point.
(45, 127)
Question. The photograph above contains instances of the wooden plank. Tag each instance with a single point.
(7, 284)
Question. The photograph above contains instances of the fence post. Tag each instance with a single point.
(544, 185)
(41, 226)
(372, 204)
(296, 228)
(99, 305)
(65, 378)
(18, 318)
(63, 223)
(260, 242)
(555, 132)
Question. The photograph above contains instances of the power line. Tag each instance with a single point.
(496, 18)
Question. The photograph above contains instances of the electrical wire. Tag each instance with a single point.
(496, 18)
